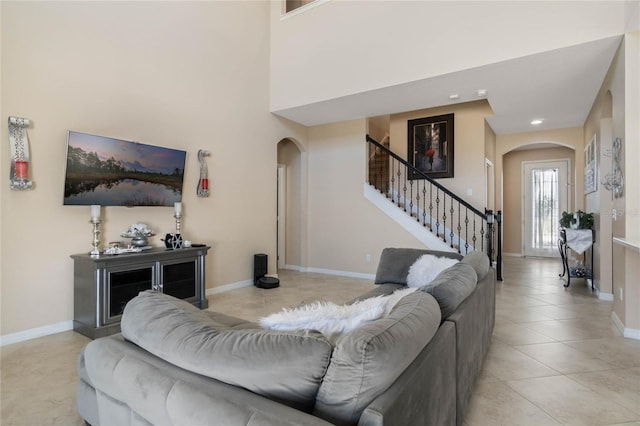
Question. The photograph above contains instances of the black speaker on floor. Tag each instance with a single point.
(259, 272)
(259, 267)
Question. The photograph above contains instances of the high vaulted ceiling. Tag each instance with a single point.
(558, 87)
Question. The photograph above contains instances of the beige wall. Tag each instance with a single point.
(512, 205)
(632, 137)
(568, 137)
(343, 226)
(490, 155)
(469, 146)
(127, 70)
(615, 114)
(304, 51)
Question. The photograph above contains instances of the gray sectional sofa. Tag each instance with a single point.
(174, 364)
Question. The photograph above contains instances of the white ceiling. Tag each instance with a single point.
(557, 86)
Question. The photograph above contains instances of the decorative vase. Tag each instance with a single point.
(139, 241)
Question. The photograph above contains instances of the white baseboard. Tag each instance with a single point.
(630, 333)
(294, 268)
(331, 272)
(341, 273)
(604, 296)
(34, 333)
(228, 287)
(512, 254)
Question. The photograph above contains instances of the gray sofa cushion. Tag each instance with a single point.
(134, 387)
(368, 360)
(452, 286)
(286, 366)
(480, 263)
(395, 263)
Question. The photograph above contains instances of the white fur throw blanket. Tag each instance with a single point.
(333, 320)
(426, 268)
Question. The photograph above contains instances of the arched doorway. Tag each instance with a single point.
(519, 189)
(291, 213)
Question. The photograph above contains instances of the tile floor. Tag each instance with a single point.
(555, 359)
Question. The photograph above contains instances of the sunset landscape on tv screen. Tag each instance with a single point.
(114, 172)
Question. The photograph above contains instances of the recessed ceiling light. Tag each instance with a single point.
(481, 93)
(536, 122)
(454, 96)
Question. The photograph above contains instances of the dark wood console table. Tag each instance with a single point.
(102, 285)
(586, 270)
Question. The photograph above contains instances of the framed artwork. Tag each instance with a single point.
(591, 166)
(430, 146)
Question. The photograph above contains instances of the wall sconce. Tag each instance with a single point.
(19, 143)
(614, 181)
(203, 182)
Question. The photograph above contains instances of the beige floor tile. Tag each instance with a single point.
(571, 403)
(518, 300)
(516, 334)
(39, 379)
(495, 403)
(505, 363)
(567, 298)
(564, 358)
(563, 330)
(519, 315)
(619, 351)
(619, 385)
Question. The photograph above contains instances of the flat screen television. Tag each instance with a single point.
(114, 172)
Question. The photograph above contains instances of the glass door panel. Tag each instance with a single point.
(179, 279)
(123, 286)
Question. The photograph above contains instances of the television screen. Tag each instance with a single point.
(113, 172)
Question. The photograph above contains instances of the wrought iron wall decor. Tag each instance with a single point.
(203, 181)
(430, 146)
(591, 166)
(19, 144)
(614, 181)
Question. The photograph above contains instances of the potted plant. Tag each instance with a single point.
(577, 220)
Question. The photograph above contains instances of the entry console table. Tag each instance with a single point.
(580, 241)
(104, 284)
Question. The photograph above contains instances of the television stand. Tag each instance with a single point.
(103, 285)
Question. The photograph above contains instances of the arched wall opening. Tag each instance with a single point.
(291, 214)
(513, 182)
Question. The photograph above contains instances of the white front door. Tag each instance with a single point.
(545, 197)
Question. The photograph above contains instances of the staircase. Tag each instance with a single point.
(411, 198)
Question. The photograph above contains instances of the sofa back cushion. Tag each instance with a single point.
(452, 286)
(366, 361)
(285, 366)
(394, 264)
(480, 263)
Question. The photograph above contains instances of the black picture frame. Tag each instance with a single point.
(430, 146)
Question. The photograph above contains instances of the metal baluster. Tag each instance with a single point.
(411, 197)
(475, 239)
(466, 230)
(398, 183)
(437, 212)
(393, 177)
(424, 203)
(459, 228)
(404, 189)
(444, 218)
(451, 233)
(430, 207)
